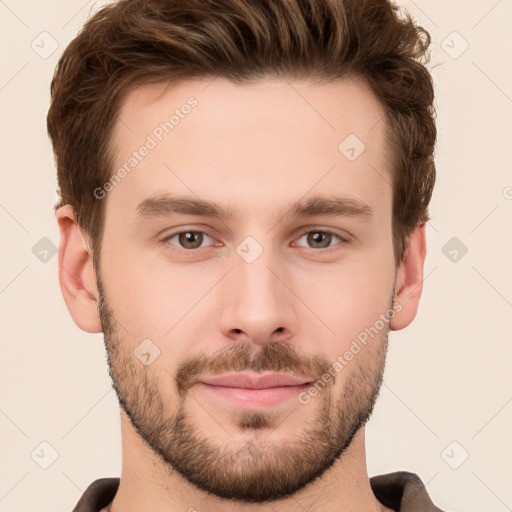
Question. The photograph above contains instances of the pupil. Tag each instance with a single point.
(189, 239)
(317, 237)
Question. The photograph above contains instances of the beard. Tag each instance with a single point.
(255, 470)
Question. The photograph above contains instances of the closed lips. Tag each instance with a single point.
(247, 381)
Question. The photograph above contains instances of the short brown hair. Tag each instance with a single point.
(135, 42)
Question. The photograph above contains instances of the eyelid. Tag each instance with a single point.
(344, 239)
(343, 236)
(166, 238)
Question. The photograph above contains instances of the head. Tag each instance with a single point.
(195, 142)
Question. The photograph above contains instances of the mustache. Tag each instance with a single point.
(277, 356)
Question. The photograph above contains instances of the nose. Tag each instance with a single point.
(257, 304)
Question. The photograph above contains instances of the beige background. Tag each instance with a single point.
(448, 374)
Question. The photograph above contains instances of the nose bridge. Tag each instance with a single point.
(258, 302)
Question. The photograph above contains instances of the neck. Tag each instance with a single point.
(148, 483)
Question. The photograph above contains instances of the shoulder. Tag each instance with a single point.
(97, 495)
(402, 490)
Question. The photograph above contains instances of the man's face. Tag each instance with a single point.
(262, 291)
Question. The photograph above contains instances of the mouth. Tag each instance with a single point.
(253, 380)
(254, 391)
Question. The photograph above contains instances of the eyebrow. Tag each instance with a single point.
(166, 204)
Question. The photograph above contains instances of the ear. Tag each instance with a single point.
(409, 282)
(77, 277)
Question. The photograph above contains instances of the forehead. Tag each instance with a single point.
(222, 142)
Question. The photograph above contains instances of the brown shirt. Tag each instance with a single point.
(401, 491)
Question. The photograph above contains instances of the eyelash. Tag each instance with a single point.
(343, 241)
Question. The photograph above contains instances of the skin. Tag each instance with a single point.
(298, 306)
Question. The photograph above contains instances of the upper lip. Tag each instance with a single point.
(248, 381)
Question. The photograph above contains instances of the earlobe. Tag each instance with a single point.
(409, 282)
(77, 277)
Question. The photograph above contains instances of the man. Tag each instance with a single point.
(244, 191)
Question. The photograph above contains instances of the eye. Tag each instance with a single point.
(322, 238)
(188, 239)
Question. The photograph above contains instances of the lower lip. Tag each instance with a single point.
(256, 397)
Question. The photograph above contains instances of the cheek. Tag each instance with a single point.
(348, 298)
(150, 295)
(352, 307)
